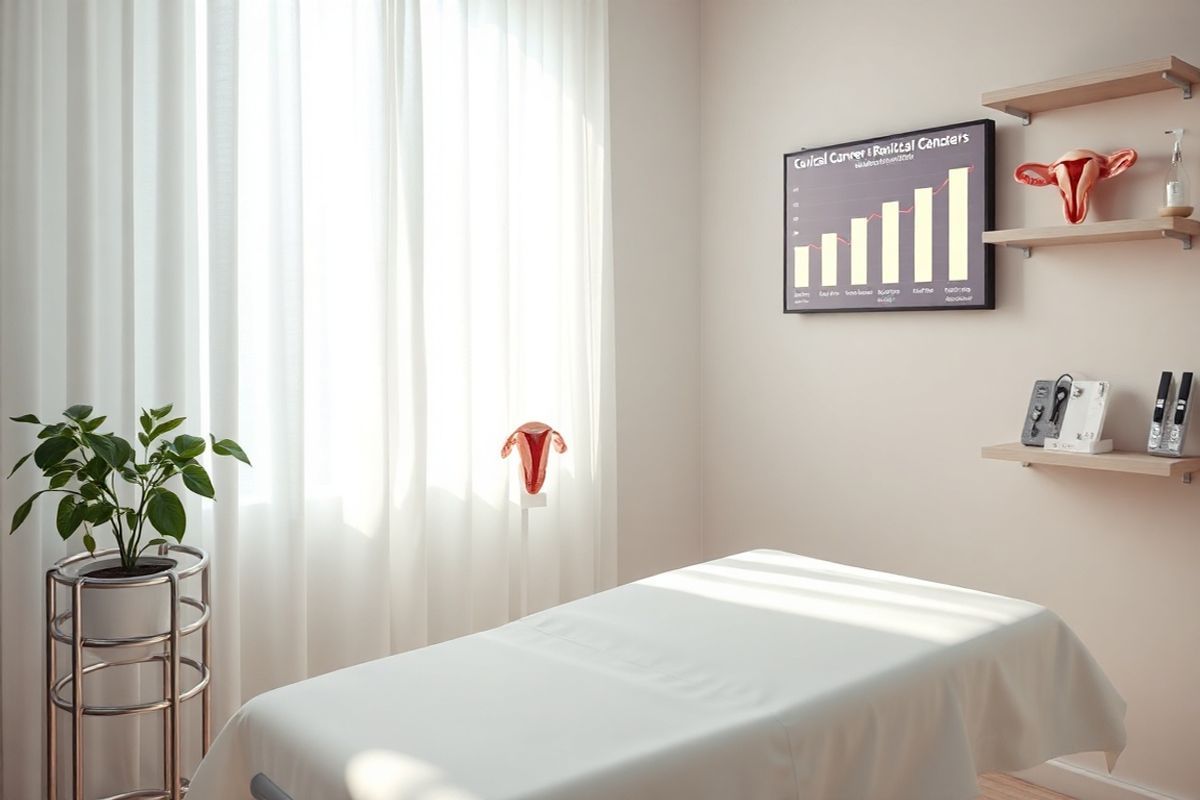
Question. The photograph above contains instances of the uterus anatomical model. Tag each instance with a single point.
(533, 441)
(1076, 174)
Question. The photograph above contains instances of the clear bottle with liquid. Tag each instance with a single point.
(1177, 189)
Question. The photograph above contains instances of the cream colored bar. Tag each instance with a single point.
(800, 267)
(957, 202)
(858, 251)
(890, 242)
(923, 235)
(829, 259)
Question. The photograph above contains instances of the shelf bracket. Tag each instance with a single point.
(1185, 86)
(1026, 117)
(1187, 477)
(1026, 464)
(1025, 249)
(1184, 238)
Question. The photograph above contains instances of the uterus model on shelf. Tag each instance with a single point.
(1075, 174)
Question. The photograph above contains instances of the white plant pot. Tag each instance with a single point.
(116, 611)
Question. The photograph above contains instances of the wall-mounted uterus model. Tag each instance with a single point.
(533, 441)
(1076, 174)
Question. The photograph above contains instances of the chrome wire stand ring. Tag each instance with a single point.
(65, 692)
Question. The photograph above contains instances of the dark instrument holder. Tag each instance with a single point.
(1038, 424)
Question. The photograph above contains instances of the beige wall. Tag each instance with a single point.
(654, 95)
(855, 437)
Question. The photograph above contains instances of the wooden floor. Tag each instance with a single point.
(1006, 787)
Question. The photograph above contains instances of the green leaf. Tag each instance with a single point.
(91, 491)
(196, 478)
(125, 450)
(228, 447)
(113, 449)
(131, 519)
(147, 422)
(144, 439)
(66, 465)
(129, 475)
(70, 515)
(92, 424)
(188, 446)
(89, 543)
(102, 446)
(61, 479)
(166, 427)
(23, 511)
(30, 418)
(78, 413)
(54, 450)
(96, 469)
(99, 513)
(53, 430)
(167, 515)
(80, 512)
(150, 544)
(19, 464)
(159, 413)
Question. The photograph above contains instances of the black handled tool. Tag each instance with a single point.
(1185, 391)
(1164, 391)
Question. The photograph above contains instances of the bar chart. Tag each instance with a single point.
(921, 211)
(892, 223)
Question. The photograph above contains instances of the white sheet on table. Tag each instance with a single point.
(760, 675)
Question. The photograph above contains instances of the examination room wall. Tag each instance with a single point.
(654, 91)
(856, 437)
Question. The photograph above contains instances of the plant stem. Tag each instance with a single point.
(118, 528)
(148, 485)
(115, 520)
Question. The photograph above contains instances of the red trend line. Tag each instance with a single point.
(874, 215)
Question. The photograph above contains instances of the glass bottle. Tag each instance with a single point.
(1177, 190)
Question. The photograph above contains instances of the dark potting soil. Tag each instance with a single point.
(138, 571)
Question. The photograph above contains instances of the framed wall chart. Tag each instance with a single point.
(891, 224)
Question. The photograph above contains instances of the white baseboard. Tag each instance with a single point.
(1086, 784)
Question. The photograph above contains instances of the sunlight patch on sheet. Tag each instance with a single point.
(387, 775)
(904, 614)
(903, 594)
(1007, 608)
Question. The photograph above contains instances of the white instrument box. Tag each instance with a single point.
(1084, 420)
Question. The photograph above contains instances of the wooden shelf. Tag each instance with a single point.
(1122, 230)
(1117, 461)
(1154, 75)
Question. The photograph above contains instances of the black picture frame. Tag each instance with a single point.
(889, 170)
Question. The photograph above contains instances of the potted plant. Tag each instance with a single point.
(103, 482)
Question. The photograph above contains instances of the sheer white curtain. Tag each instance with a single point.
(98, 275)
(366, 239)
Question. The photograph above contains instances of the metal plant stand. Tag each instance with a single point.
(65, 692)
